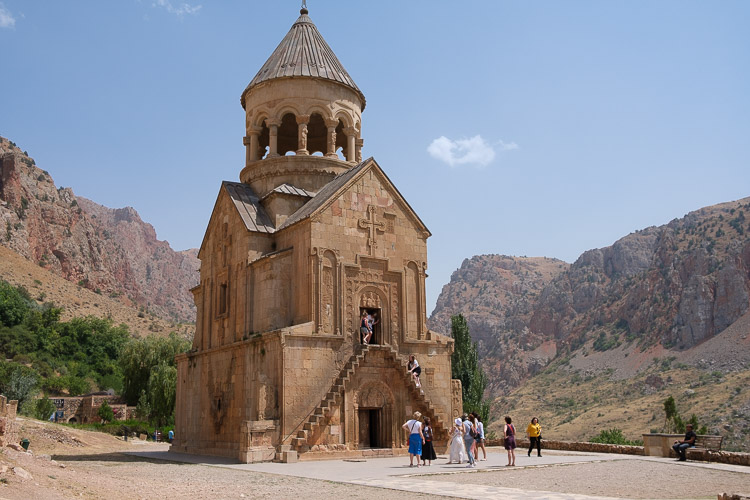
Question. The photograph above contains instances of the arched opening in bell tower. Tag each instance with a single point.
(287, 135)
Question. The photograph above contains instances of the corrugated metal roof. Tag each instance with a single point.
(303, 53)
(287, 188)
(248, 206)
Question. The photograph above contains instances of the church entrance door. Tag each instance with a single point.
(369, 428)
(377, 330)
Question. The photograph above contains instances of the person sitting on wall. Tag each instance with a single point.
(680, 447)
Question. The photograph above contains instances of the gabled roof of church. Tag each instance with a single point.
(303, 53)
(248, 206)
(330, 191)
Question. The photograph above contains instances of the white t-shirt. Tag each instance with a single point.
(414, 426)
(480, 428)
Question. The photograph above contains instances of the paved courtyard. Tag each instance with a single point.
(556, 475)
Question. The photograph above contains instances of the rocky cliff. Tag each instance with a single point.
(110, 251)
(673, 286)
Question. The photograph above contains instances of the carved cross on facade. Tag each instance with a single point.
(373, 226)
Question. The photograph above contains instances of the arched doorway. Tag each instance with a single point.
(374, 304)
(374, 416)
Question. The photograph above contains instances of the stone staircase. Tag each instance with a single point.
(319, 415)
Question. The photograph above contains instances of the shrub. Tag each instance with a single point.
(43, 408)
(105, 412)
(614, 436)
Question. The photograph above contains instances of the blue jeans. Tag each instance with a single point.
(468, 442)
(680, 448)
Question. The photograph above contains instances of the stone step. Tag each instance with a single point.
(302, 434)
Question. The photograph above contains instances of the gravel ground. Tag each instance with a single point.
(118, 476)
(620, 478)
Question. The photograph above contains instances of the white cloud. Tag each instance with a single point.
(472, 151)
(178, 10)
(6, 18)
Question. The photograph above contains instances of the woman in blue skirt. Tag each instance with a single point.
(416, 438)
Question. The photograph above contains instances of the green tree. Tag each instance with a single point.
(670, 411)
(15, 304)
(162, 389)
(143, 408)
(105, 412)
(465, 367)
(22, 383)
(43, 408)
(141, 356)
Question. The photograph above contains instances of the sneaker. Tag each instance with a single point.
(470, 466)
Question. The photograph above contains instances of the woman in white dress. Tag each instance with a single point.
(457, 452)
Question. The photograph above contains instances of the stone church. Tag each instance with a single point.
(310, 238)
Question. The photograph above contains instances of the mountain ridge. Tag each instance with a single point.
(109, 251)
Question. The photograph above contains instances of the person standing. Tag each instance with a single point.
(428, 450)
(680, 447)
(371, 322)
(469, 433)
(457, 451)
(480, 439)
(534, 431)
(416, 438)
(364, 328)
(509, 435)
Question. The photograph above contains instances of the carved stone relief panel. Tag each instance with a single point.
(457, 399)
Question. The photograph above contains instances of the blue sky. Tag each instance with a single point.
(538, 128)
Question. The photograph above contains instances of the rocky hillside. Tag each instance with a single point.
(497, 294)
(673, 286)
(109, 251)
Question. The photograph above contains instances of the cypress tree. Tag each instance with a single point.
(465, 367)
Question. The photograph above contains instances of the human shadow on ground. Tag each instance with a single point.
(144, 457)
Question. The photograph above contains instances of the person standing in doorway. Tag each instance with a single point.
(534, 431)
(364, 328)
(372, 320)
(509, 434)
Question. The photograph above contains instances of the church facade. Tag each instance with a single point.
(312, 237)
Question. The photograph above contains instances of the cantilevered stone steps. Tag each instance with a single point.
(334, 395)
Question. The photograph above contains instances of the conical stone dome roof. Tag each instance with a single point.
(303, 53)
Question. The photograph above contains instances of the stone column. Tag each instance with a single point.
(251, 144)
(350, 141)
(302, 121)
(273, 136)
(331, 136)
(358, 150)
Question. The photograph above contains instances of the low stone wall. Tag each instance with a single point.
(574, 446)
(723, 457)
